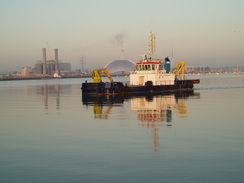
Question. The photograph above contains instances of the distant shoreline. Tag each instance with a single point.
(46, 78)
(38, 78)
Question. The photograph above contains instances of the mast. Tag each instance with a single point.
(152, 45)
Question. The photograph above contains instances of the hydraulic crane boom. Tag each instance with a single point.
(96, 75)
(179, 68)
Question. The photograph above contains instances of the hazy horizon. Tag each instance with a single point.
(209, 32)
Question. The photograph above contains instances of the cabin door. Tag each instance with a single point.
(141, 80)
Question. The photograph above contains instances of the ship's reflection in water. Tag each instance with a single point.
(101, 101)
(156, 111)
(153, 111)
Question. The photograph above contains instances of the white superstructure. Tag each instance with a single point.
(151, 70)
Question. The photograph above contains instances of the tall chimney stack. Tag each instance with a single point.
(44, 59)
(123, 54)
(56, 60)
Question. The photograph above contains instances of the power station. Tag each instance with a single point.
(48, 67)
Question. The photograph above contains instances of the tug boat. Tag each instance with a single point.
(151, 76)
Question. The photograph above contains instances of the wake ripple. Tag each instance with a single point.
(218, 88)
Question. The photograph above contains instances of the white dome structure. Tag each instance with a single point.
(120, 66)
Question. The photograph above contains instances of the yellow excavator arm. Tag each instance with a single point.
(179, 68)
(96, 75)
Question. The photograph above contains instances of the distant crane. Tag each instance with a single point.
(83, 63)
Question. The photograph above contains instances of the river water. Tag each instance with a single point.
(50, 133)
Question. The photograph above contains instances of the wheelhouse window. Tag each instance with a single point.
(149, 67)
(161, 66)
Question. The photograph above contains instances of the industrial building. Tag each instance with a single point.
(50, 67)
(26, 71)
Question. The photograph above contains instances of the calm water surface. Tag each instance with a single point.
(49, 133)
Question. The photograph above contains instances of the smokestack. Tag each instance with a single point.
(44, 59)
(56, 60)
(123, 55)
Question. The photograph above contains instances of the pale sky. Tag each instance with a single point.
(200, 32)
